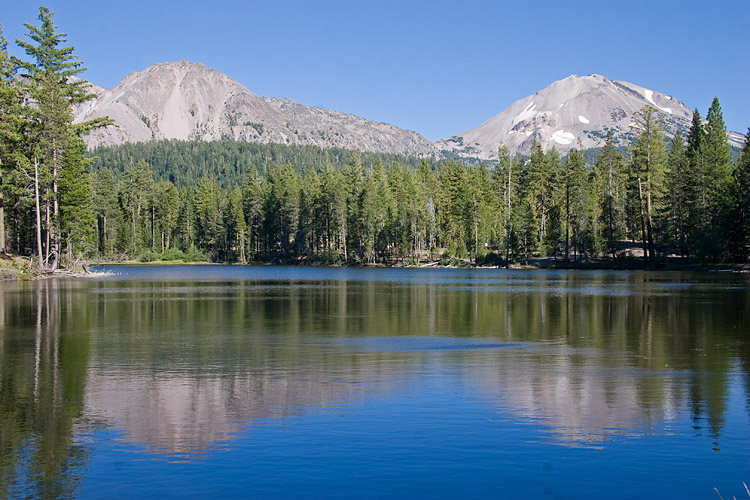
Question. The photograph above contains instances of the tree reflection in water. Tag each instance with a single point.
(181, 367)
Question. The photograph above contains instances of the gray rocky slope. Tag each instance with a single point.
(189, 101)
(575, 109)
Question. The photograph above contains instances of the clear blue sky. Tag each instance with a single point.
(437, 67)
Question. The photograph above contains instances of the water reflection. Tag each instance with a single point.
(43, 361)
(182, 367)
(183, 417)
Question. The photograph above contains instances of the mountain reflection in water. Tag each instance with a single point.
(181, 366)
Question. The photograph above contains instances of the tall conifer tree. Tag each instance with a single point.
(10, 123)
(678, 194)
(741, 198)
(648, 167)
(49, 81)
(610, 176)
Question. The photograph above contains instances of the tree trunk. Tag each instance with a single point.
(610, 216)
(643, 222)
(2, 214)
(47, 229)
(38, 214)
(153, 227)
(507, 221)
(52, 228)
(104, 233)
(567, 221)
(476, 241)
(649, 223)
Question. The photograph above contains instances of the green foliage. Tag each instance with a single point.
(257, 126)
(648, 181)
(76, 217)
(40, 137)
(173, 255)
(740, 211)
(228, 162)
(194, 254)
(610, 179)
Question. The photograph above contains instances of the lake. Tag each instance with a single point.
(295, 382)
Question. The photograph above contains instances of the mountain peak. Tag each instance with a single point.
(187, 100)
(576, 108)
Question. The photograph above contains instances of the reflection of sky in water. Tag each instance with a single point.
(405, 344)
(329, 383)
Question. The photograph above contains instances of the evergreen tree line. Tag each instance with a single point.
(185, 162)
(683, 197)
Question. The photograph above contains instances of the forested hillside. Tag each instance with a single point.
(241, 202)
(229, 162)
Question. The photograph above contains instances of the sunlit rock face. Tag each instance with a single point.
(189, 101)
(572, 113)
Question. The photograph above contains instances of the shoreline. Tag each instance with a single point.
(16, 268)
(536, 264)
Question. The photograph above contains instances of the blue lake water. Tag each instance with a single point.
(293, 382)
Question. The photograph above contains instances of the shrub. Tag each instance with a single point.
(172, 255)
(149, 256)
(195, 255)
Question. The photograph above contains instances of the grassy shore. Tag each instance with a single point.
(16, 267)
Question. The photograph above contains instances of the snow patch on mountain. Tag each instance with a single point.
(563, 137)
(649, 94)
(527, 113)
(583, 119)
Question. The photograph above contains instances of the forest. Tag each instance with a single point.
(666, 198)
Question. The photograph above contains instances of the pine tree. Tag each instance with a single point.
(576, 197)
(678, 197)
(107, 210)
(210, 228)
(610, 177)
(134, 190)
(506, 179)
(648, 167)
(282, 209)
(353, 178)
(427, 184)
(696, 187)
(381, 210)
(307, 228)
(51, 86)
(10, 124)
(253, 194)
(741, 198)
(236, 227)
(167, 212)
(556, 186)
(718, 182)
(540, 190)
(76, 216)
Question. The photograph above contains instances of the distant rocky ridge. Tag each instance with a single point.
(575, 109)
(189, 101)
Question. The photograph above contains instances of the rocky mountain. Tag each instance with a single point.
(189, 101)
(577, 108)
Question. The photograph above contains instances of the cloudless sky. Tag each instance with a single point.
(436, 67)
